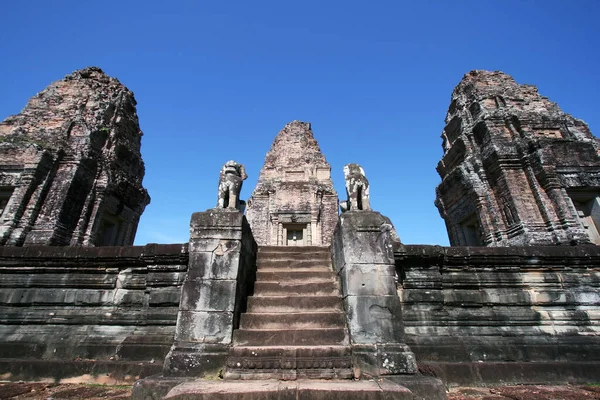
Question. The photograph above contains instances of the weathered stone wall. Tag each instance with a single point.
(497, 315)
(70, 311)
(516, 169)
(362, 252)
(221, 274)
(470, 314)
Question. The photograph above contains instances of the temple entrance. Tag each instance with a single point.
(5, 194)
(109, 230)
(588, 212)
(470, 234)
(294, 234)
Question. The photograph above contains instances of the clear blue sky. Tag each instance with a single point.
(216, 80)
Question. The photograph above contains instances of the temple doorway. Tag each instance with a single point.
(588, 212)
(294, 234)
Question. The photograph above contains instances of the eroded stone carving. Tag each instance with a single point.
(357, 188)
(231, 178)
(294, 202)
(516, 169)
(70, 165)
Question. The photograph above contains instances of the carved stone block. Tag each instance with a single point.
(204, 327)
(208, 295)
(215, 264)
(374, 319)
(368, 279)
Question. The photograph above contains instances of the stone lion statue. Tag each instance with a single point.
(357, 188)
(231, 178)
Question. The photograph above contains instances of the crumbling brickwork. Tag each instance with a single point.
(516, 170)
(70, 165)
(294, 202)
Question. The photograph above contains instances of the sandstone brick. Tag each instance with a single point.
(294, 201)
(516, 170)
(71, 169)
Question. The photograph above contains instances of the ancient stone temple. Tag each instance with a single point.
(294, 300)
(516, 170)
(70, 165)
(294, 202)
(291, 320)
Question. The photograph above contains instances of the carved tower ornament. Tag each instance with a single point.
(294, 202)
(231, 178)
(357, 189)
(516, 169)
(70, 165)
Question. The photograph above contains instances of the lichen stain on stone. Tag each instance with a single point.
(389, 365)
(219, 250)
(379, 312)
(224, 246)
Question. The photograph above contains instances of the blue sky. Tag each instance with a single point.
(217, 80)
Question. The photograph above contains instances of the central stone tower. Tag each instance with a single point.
(294, 202)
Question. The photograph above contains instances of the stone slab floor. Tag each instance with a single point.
(50, 391)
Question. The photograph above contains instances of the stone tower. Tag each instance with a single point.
(70, 165)
(516, 170)
(294, 202)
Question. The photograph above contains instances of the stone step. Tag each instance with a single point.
(324, 257)
(294, 276)
(267, 388)
(294, 251)
(289, 374)
(294, 327)
(325, 288)
(291, 304)
(310, 270)
(289, 357)
(324, 265)
(292, 321)
(290, 337)
(262, 250)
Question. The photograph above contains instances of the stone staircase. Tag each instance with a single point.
(295, 326)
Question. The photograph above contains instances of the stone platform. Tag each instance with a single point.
(284, 390)
(398, 387)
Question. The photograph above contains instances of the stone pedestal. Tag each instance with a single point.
(221, 266)
(364, 260)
